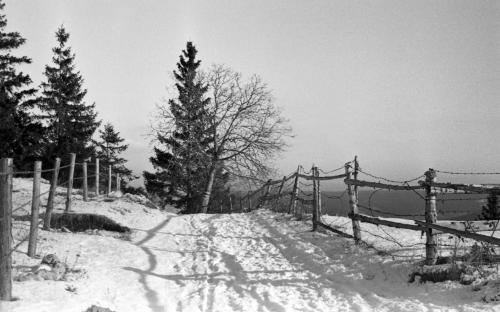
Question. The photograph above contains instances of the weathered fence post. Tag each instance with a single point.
(430, 217)
(118, 181)
(263, 200)
(315, 199)
(85, 185)
(249, 201)
(35, 206)
(293, 197)
(318, 192)
(353, 203)
(110, 176)
(96, 177)
(5, 229)
(278, 197)
(70, 181)
(52, 194)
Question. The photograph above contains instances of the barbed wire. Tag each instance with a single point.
(305, 184)
(304, 193)
(304, 171)
(389, 180)
(467, 173)
(331, 171)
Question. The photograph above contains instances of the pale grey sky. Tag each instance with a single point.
(405, 85)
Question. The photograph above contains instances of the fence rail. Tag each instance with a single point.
(425, 187)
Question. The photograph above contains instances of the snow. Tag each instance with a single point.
(258, 261)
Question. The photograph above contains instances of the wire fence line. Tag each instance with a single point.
(8, 212)
(381, 222)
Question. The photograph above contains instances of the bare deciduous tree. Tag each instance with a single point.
(248, 129)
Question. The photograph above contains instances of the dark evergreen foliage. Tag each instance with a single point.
(109, 148)
(20, 136)
(181, 158)
(70, 122)
(491, 211)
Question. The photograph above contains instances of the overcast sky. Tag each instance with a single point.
(405, 85)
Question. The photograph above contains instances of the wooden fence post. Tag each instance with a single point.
(85, 185)
(70, 181)
(5, 229)
(35, 207)
(430, 217)
(109, 179)
(263, 200)
(279, 192)
(293, 197)
(118, 181)
(318, 192)
(96, 177)
(315, 199)
(249, 201)
(353, 203)
(52, 194)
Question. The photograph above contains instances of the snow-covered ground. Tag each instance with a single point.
(258, 261)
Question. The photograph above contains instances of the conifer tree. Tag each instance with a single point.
(491, 211)
(20, 135)
(109, 148)
(181, 158)
(70, 121)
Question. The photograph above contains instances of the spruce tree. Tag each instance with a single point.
(70, 121)
(109, 148)
(491, 211)
(181, 158)
(20, 135)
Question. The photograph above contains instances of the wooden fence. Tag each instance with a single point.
(425, 184)
(7, 173)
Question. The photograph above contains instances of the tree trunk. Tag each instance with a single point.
(206, 196)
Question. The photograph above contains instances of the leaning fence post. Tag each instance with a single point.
(52, 194)
(70, 181)
(353, 203)
(96, 177)
(85, 185)
(5, 229)
(35, 206)
(430, 217)
(315, 199)
(109, 179)
(278, 197)
(263, 200)
(293, 198)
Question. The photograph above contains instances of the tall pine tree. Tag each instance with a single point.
(109, 148)
(20, 135)
(181, 160)
(70, 121)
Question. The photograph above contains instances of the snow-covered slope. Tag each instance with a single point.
(259, 261)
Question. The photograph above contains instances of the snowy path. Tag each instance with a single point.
(258, 261)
